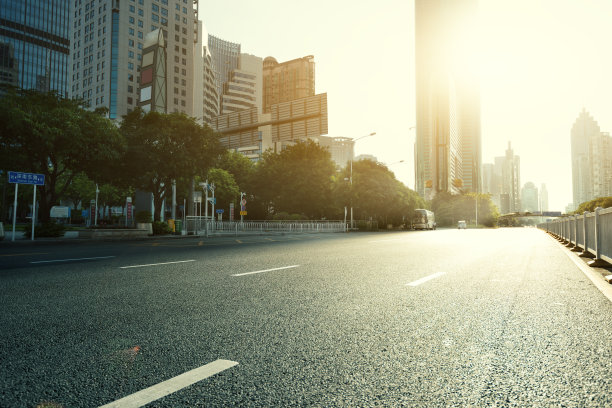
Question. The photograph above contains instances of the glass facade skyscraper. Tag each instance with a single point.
(225, 58)
(34, 44)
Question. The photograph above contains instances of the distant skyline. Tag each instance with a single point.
(542, 63)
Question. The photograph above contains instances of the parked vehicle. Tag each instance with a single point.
(462, 224)
(423, 220)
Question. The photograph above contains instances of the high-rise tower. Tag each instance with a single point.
(448, 152)
(35, 44)
(108, 38)
(591, 160)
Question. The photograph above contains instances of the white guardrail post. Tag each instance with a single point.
(585, 253)
(598, 262)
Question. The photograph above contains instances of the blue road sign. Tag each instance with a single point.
(17, 177)
(219, 211)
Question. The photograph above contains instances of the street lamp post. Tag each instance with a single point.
(351, 178)
(96, 216)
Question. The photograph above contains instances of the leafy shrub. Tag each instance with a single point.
(48, 229)
(161, 228)
(144, 216)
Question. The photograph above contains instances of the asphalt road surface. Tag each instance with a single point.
(434, 318)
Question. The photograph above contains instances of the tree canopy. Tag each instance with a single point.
(164, 147)
(590, 206)
(297, 180)
(48, 134)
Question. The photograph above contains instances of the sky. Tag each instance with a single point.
(541, 62)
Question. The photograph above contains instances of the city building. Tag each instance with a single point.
(543, 198)
(591, 160)
(107, 50)
(287, 81)
(211, 97)
(341, 149)
(251, 133)
(243, 87)
(502, 180)
(448, 145)
(530, 198)
(35, 44)
(511, 180)
(225, 59)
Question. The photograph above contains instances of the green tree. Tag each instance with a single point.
(226, 189)
(165, 147)
(47, 134)
(590, 206)
(297, 180)
(450, 208)
(80, 191)
(239, 166)
(377, 194)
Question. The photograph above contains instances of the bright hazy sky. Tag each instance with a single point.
(541, 63)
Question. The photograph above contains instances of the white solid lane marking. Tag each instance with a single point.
(72, 259)
(266, 270)
(141, 398)
(425, 279)
(161, 263)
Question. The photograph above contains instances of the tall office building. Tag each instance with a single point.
(225, 58)
(502, 179)
(591, 160)
(35, 44)
(341, 149)
(448, 146)
(529, 198)
(543, 198)
(243, 87)
(211, 97)
(511, 180)
(107, 45)
(287, 81)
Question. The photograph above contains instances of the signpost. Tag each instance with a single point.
(219, 213)
(128, 211)
(242, 206)
(17, 178)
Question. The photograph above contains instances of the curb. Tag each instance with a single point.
(597, 275)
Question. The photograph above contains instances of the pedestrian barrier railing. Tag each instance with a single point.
(202, 226)
(589, 233)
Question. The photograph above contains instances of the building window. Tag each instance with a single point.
(132, 9)
(132, 20)
(155, 8)
(140, 24)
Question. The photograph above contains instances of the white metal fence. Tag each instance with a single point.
(202, 226)
(591, 232)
